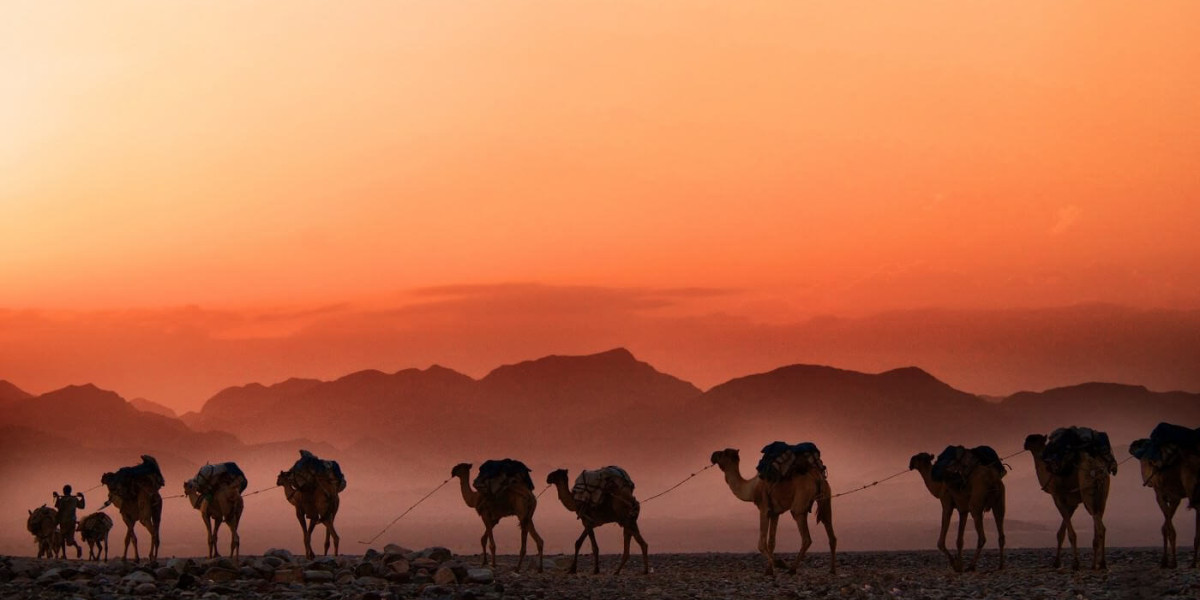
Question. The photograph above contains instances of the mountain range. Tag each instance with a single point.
(606, 408)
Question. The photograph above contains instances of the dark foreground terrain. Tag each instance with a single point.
(434, 573)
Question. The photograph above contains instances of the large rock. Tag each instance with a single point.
(138, 577)
(317, 576)
(49, 576)
(286, 575)
(146, 589)
(436, 553)
(396, 549)
(480, 575)
(218, 574)
(445, 576)
(279, 553)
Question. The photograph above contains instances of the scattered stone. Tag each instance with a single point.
(286, 576)
(279, 553)
(219, 574)
(145, 589)
(436, 553)
(444, 576)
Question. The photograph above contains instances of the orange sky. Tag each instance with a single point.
(837, 158)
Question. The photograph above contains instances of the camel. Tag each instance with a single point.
(1088, 484)
(512, 501)
(94, 530)
(1171, 484)
(618, 507)
(983, 491)
(134, 491)
(312, 486)
(218, 497)
(43, 524)
(796, 494)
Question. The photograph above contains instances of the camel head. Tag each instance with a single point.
(557, 476)
(1035, 442)
(284, 479)
(192, 492)
(726, 458)
(920, 461)
(461, 470)
(108, 479)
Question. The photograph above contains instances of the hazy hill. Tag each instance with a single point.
(152, 407)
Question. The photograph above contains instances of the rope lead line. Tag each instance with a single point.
(389, 525)
(672, 488)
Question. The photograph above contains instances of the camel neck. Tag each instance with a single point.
(470, 496)
(742, 488)
(936, 488)
(1043, 472)
(565, 496)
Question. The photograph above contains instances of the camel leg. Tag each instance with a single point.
(1195, 541)
(764, 525)
(524, 539)
(627, 535)
(155, 520)
(998, 515)
(1099, 532)
(537, 540)
(492, 545)
(235, 541)
(308, 553)
(595, 552)
(483, 546)
(212, 536)
(637, 535)
(578, 545)
(1061, 535)
(941, 543)
(826, 517)
(130, 537)
(977, 518)
(1168, 507)
(805, 538)
(962, 528)
(105, 548)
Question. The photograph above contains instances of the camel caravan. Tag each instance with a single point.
(1074, 466)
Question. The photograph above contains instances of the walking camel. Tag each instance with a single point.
(616, 506)
(134, 491)
(1086, 483)
(516, 500)
(1171, 484)
(795, 494)
(216, 492)
(312, 485)
(982, 491)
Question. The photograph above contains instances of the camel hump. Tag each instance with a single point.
(594, 487)
(127, 480)
(495, 476)
(781, 460)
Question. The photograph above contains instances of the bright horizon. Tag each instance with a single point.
(187, 186)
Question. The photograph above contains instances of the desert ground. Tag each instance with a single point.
(1133, 573)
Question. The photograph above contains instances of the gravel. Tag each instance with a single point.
(435, 573)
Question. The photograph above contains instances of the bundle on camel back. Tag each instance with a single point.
(495, 476)
(1063, 448)
(781, 460)
(1170, 461)
(43, 524)
(134, 491)
(956, 463)
(216, 491)
(312, 485)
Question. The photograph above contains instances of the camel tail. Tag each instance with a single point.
(825, 504)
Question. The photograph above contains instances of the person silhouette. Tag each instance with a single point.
(66, 504)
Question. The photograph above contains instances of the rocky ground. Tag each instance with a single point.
(396, 572)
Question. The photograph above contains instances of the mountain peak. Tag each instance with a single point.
(8, 391)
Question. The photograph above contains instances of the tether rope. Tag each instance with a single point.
(869, 485)
(548, 486)
(389, 525)
(685, 480)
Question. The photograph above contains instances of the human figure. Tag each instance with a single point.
(66, 504)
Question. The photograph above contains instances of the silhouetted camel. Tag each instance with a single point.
(616, 506)
(134, 491)
(515, 500)
(1086, 483)
(983, 491)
